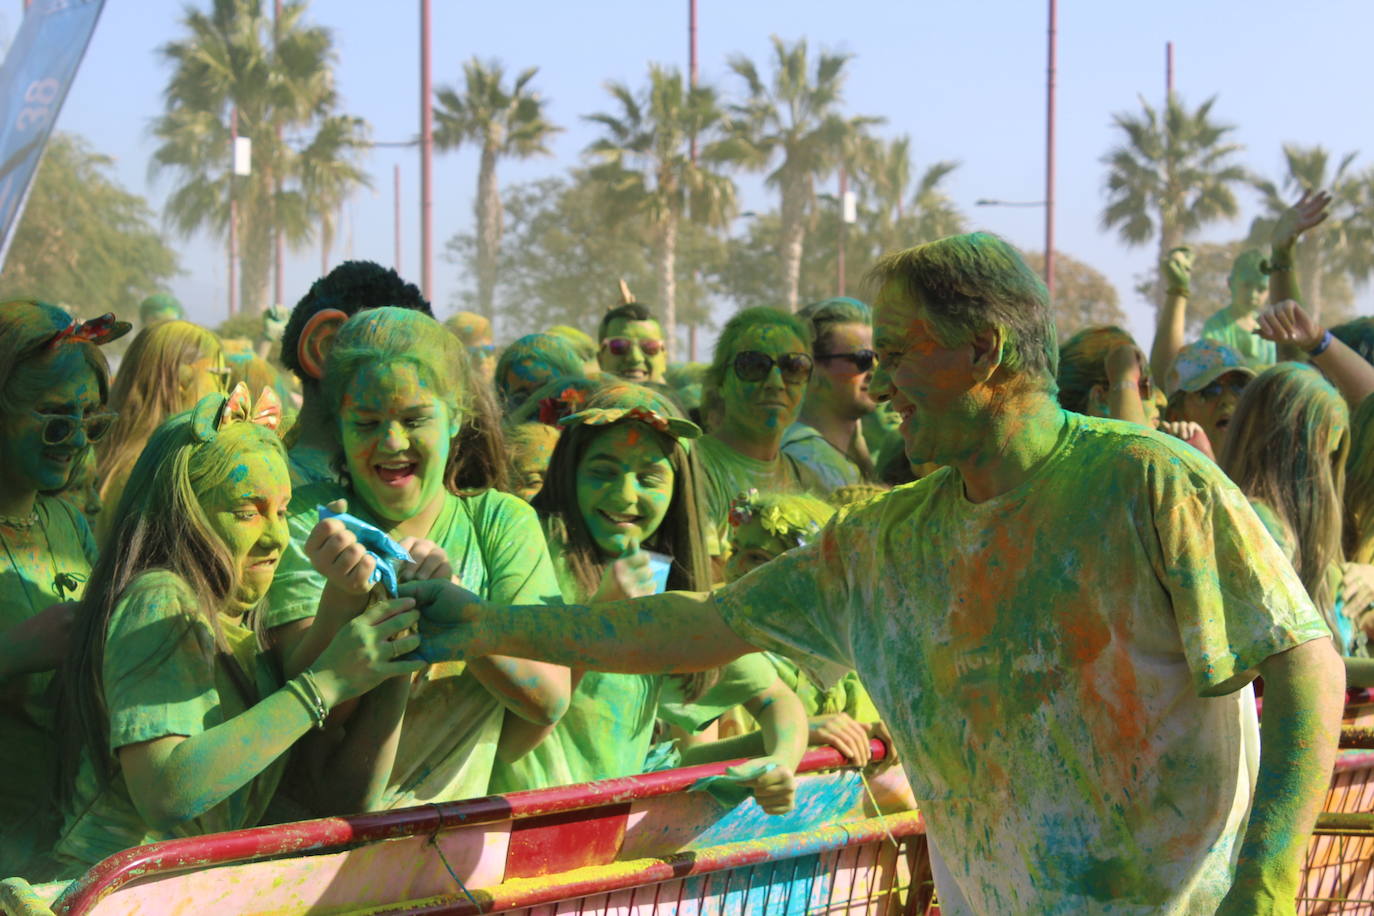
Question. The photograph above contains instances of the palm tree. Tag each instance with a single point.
(502, 122)
(1338, 251)
(1173, 174)
(644, 168)
(796, 120)
(903, 215)
(277, 79)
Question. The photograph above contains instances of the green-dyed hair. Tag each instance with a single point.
(965, 284)
(27, 366)
(378, 337)
(159, 524)
(1359, 485)
(824, 315)
(631, 311)
(1358, 335)
(468, 326)
(158, 303)
(1250, 261)
(581, 341)
(1083, 363)
(682, 533)
(1286, 446)
(727, 345)
(553, 351)
(148, 390)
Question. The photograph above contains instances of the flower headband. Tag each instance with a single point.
(676, 427)
(553, 410)
(773, 518)
(217, 411)
(98, 331)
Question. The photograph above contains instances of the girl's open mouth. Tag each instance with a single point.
(395, 473)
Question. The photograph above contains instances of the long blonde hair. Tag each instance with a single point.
(1286, 447)
(147, 390)
(1359, 485)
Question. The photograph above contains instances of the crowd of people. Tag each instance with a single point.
(373, 560)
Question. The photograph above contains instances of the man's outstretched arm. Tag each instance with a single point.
(1304, 693)
(675, 631)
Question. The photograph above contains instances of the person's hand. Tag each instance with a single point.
(1287, 322)
(843, 734)
(1357, 594)
(880, 731)
(774, 790)
(629, 576)
(1180, 429)
(1310, 210)
(450, 619)
(1177, 270)
(39, 643)
(368, 650)
(335, 553)
(431, 562)
(1125, 363)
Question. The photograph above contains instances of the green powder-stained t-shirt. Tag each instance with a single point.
(452, 722)
(163, 676)
(832, 467)
(1257, 352)
(608, 728)
(1061, 666)
(31, 559)
(727, 474)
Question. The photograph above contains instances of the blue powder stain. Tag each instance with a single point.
(239, 473)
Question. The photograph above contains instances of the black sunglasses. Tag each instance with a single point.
(862, 360)
(59, 427)
(753, 366)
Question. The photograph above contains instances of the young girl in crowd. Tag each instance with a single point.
(53, 386)
(764, 526)
(169, 367)
(1102, 373)
(532, 362)
(174, 720)
(1286, 449)
(621, 482)
(414, 433)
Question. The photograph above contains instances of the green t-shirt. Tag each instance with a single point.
(452, 722)
(832, 467)
(30, 562)
(1062, 673)
(608, 728)
(308, 465)
(163, 676)
(1257, 352)
(727, 474)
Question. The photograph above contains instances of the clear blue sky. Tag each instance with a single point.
(965, 80)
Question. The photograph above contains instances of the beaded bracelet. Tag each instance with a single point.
(304, 688)
(1321, 346)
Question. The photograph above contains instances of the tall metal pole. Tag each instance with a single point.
(1049, 152)
(844, 232)
(278, 243)
(1168, 71)
(426, 159)
(233, 212)
(397, 196)
(692, 75)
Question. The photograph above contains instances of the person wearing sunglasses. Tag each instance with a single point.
(1059, 627)
(54, 385)
(1205, 385)
(632, 346)
(828, 436)
(755, 385)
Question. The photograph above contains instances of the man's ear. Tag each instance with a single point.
(1097, 401)
(312, 347)
(987, 353)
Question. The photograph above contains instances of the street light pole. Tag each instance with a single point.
(1049, 153)
(233, 210)
(692, 75)
(426, 159)
(397, 197)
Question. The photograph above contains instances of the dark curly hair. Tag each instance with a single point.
(351, 287)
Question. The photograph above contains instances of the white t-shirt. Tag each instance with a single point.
(1061, 666)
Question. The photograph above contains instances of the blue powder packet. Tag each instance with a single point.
(376, 542)
(660, 564)
(730, 790)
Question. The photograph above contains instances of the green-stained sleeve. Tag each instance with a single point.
(159, 666)
(519, 570)
(1235, 596)
(797, 605)
(296, 588)
(740, 681)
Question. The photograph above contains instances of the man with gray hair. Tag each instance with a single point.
(1059, 626)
